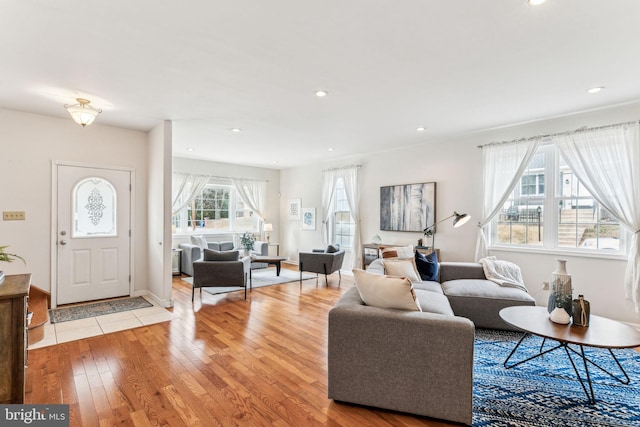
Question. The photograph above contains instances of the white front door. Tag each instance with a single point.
(93, 233)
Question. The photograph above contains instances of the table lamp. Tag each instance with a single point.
(268, 228)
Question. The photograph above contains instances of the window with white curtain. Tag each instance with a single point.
(216, 209)
(344, 224)
(550, 208)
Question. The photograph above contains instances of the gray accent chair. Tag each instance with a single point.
(220, 273)
(408, 361)
(192, 253)
(321, 262)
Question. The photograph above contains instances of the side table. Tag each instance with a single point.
(177, 272)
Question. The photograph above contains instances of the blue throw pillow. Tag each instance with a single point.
(428, 266)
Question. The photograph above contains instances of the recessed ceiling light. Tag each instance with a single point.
(235, 130)
(191, 149)
(536, 2)
(321, 93)
(275, 162)
(596, 89)
(421, 129)
(330, 149)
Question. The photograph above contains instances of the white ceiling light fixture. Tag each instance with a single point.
(190, 149)
(236, 130)
(421, 129)
(330, 149)
(82, 113)
(536, 2)
(596, 89)
(321, 93)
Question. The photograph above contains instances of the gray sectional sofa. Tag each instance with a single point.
(410, 361)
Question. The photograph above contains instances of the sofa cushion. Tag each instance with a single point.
(481, 301)
(397, 252)
(429, 285)
(433, 302)
(199, 241)
(428, 266)
(213, 255)
(385, 291)
(402, 268)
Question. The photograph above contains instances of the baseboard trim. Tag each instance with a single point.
(158, 301)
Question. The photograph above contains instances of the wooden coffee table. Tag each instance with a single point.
(601, 332)
(275, 260)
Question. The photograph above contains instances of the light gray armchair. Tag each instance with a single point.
(221, 269)
(321, 261)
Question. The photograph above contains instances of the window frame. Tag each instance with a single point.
(551, 217)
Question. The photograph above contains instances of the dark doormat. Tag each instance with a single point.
(83, 311)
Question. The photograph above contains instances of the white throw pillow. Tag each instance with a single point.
(402, 268)
(199, 241)
(386, 292)
(398, 252)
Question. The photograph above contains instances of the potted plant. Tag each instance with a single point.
(7, 257)
(247, 240)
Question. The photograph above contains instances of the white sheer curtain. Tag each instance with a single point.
(253, 194)
(185, 187)
(349, 176)
(350, 179)
(328, 192)
(607, 162)
(503, 165)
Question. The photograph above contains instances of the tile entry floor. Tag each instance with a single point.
(56, 333)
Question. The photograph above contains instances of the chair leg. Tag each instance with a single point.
(300, 268)
(326, 280)
(339, 278)
(193, 291)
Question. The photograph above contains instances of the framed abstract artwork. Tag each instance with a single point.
(308, 218)
(294, 211)
(409, 207)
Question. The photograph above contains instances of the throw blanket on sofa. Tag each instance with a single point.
(504, 273)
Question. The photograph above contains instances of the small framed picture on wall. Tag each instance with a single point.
(308, 218)
(294, 210)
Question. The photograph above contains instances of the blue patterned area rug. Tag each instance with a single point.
(545, 391)
(82, 311)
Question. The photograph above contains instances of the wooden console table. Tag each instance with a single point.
(14, 291)
(372, 251)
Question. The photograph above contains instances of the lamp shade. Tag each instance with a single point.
(460, 219)
(82, 113)
(268, 227)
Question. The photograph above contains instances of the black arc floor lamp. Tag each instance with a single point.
(458, 221)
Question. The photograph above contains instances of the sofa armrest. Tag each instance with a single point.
(190, 254)
(461, 270)
(408, 361)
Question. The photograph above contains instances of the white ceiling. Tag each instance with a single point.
(453, 66)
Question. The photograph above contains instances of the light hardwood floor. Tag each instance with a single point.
(222, 361)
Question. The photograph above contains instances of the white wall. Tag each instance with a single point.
(272, 176)
(159, 218)
(30, 142)
(456, 167)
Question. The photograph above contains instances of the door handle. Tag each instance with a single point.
(63, 242)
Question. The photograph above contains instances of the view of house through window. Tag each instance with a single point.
(551, 208)
(344, 225)
(216, 208)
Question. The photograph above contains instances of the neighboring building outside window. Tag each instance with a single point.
(343, 226)
(218, 208)
(550, 208)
